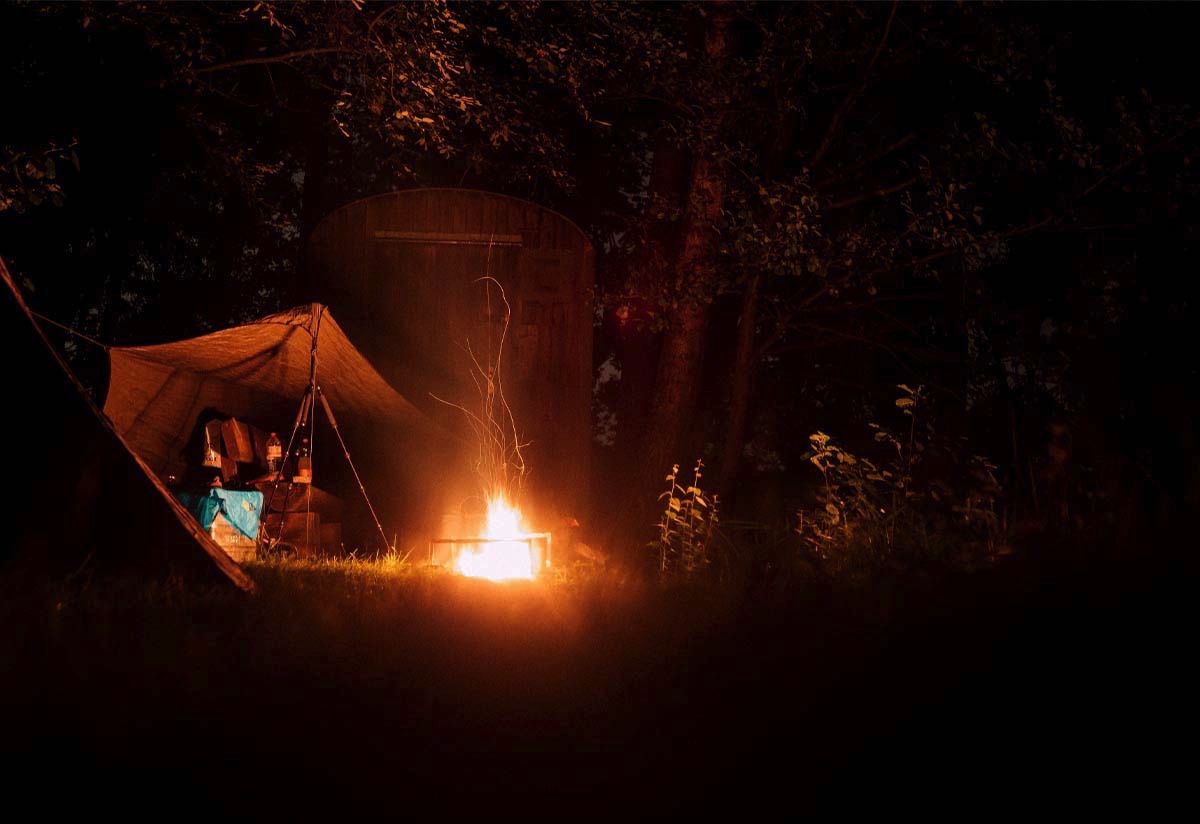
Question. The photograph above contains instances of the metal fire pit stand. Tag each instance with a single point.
(530, 540)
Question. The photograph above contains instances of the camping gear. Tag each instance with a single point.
(212, 444)
(242, 508)
(274, 454)
(303, 464)
(295, 532)
(261, 371)
(238, 442)
(231, 517)
(286, 510)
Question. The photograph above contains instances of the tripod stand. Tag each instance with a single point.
(305, 417)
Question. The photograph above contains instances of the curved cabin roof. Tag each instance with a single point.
(456, 216)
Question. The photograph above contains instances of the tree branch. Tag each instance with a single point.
(386, 11)
(1122, 166)
(786, 317)
(865, 196)
(841, 173)
(835, 125)
(896, 352)
(277, 58)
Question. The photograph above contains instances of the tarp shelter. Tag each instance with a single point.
(258, 373)
(77, 495)
(156, 393)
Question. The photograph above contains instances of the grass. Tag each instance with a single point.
(358, 688)
(372, 679)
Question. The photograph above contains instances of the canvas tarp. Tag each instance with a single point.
(77, 496)
(157, 393)
(241, 508)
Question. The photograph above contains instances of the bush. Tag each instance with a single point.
(926, 499)
(688, 523)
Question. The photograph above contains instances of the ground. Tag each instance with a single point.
(366, 689)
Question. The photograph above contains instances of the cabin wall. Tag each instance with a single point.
(401, 273)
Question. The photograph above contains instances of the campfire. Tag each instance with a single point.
(504, 551)
(506, 554)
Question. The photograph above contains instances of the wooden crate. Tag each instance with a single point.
(302, 531)
(331, 538)
(236, 545)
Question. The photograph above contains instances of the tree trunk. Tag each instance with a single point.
(742, 388)
(744, 363)
(313, 203)
(678, 377)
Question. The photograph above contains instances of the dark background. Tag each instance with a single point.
(1062, 351)
(166, 230)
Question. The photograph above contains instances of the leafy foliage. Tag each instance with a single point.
(923, 500)
(688, 524)
(882, 216)
(28, 180)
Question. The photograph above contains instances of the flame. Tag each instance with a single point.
(499, 560)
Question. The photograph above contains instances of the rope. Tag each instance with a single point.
(70, 331)
(308, 416)
(345, 451)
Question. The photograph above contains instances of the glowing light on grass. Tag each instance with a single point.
(499, 559)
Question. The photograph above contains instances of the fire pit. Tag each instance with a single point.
(497, 559)
(504, 552)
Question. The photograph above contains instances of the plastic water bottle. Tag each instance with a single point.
(274, 454)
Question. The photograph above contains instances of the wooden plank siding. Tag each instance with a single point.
(400, 271)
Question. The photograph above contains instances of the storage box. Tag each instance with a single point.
(236, 545)
(300, 530)
(331, 538)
